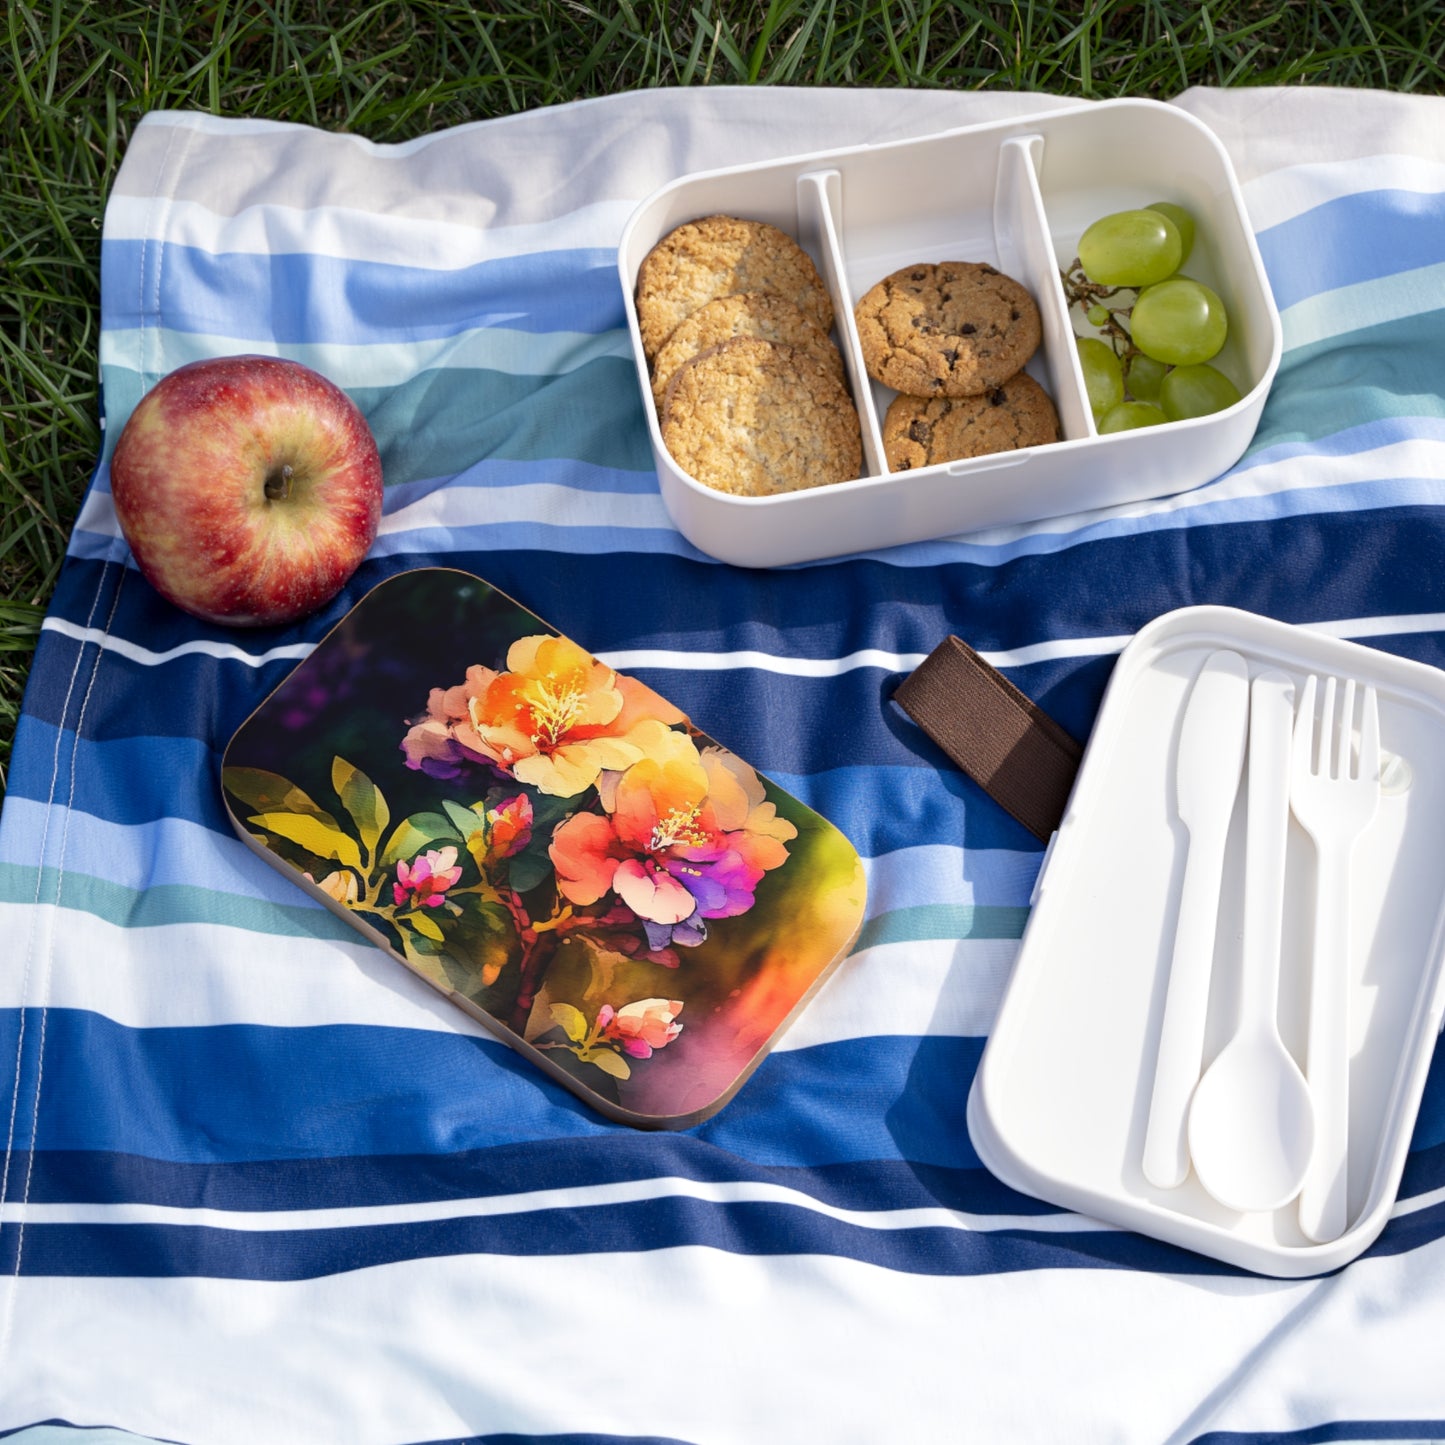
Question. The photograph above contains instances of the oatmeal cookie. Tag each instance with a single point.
(717, 256)
(748, 313)
(752, 417)
(955, 328)
(918, 432)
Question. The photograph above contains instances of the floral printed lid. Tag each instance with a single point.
(551, 844)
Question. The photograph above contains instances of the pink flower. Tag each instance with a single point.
(641, 1027)
(509, 826)
(424, 883)
(443, 743)
(506, 830)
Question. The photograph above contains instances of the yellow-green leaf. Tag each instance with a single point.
(268, 792)
(406, 841)
(362, 799)
(427, 927)
(611, 1063)
(318, 836)
(570, 1020)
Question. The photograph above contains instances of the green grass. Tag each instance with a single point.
(76, 77)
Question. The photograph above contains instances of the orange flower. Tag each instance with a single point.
(557, 717)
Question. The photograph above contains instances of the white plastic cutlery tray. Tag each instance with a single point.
(1060, 1105)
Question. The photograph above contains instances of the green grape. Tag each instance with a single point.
(1144, 376)
(1129, 415)
(1196, 391)
(1183, 223)
(1130, 248)
(1103, 376)
(1098, 315)
(1179, 322)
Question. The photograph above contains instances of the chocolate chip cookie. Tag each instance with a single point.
(955, 328)
(717, 256)
(918, 432)
(749, 313)
(752, 417)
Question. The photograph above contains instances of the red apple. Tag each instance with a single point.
(248, 487)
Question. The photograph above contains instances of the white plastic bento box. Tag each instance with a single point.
(1060, 1104)
(1016, 195)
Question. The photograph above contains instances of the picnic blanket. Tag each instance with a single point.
(258, 1183)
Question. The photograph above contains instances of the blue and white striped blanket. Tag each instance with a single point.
(259, 1184)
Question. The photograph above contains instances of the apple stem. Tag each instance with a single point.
(278, 484)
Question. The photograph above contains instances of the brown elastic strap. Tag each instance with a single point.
(1009, 746)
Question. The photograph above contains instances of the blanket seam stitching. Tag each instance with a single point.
(164, 190)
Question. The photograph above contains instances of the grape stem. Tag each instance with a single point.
(1086, 295)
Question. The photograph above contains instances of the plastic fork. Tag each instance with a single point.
(1334, 793)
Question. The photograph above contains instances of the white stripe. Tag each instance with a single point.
(662, 659)
(1418, 1202)
(196, 975)
(586, 1196)
(665, 659)
(1293, 190)
(354, 366)
(425, 243)
(161, 851)
(936, 988)
(1419, 457)
(595, 1196)
(545, 502)
(201, 647)
(1362, 305)
(307, 137)
(480, 1344)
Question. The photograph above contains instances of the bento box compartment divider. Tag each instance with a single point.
(1026, 250)
(820, 226)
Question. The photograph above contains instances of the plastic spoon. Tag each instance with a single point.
(1251, 1122)
(1211, 755)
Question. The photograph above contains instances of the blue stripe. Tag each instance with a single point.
(159, 854)
(1346, 1432)
(1354, 238)
(1378, 563)
(1274, 445)
(130, 780)
(619, 1157)
(299, 297)
(236, 1093)
(1356, 567)
(56, 1431)
(559, 536)
(445, 422)
(754, 1228)
(229, 1093)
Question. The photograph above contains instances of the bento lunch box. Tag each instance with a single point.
(1061, 1104)
(1016, 195)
